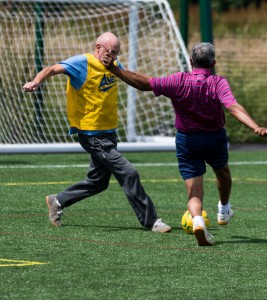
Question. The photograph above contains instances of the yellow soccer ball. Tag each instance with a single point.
(187, 221)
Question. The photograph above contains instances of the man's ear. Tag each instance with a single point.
(191, 62)
(214, 63)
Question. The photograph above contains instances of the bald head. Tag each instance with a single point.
(107, 38)
(107, 42)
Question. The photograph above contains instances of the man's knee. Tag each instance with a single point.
(100, 186)
(224, 173)
(133, 174)
(103, 186)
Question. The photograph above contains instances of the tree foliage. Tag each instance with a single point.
(223, 5)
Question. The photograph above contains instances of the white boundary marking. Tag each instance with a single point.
(235, 163)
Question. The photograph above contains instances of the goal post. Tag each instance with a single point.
(36, 34)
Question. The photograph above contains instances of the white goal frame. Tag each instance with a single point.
(134, 141)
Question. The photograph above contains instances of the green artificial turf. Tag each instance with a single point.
(102, 252)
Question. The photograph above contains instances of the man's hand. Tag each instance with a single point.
(107, 60)
(261, 131)
(30, 86)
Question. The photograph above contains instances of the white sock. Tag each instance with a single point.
(223, 208)
(198, 221)
(57, 202)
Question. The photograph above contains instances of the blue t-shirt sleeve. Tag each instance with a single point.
(119, 65)
(76, 68)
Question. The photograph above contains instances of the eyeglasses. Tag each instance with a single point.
(112, 52)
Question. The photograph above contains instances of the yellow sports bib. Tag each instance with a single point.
(95, 105)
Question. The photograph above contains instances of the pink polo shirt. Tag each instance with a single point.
(197, 97)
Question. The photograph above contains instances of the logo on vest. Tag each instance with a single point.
(107, 83)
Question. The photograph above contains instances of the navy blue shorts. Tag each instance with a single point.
(195, 149)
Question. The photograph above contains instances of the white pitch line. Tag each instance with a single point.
(239, 163)
(236, 163)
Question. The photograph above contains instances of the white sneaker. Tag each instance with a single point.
(159, 226)
(203, 237)
(55, 211)
(224, 219)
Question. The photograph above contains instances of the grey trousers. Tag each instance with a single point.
(105, 161)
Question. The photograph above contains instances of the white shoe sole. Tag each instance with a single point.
(224, 222)
(200, 235)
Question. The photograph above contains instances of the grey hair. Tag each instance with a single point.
(203, 55)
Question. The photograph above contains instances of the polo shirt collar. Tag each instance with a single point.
(201, 71)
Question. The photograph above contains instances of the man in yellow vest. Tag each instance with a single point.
(92, 96)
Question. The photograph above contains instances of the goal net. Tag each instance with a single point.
(35, 34)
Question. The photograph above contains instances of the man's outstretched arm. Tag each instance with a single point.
(32, 86)
(137, 80)
(240, 113)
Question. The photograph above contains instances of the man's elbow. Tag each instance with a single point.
(143, 88)
(148, 89)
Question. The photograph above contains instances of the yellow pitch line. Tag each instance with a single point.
(19, 263)
(260, 180)
(71, 182)
(35, 183)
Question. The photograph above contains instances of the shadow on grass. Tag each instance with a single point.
(237, 239)
(107, 227)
